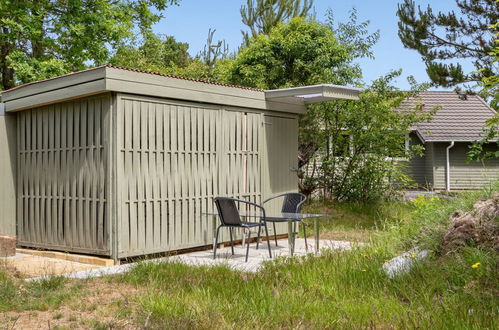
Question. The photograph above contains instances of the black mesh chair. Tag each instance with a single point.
(291, 203)
(230, 217)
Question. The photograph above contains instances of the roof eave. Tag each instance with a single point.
(314, 94)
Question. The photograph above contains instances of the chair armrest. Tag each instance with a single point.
(298, 207)
(273, 197)
(249, 203)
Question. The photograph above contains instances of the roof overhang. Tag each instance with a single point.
(114, 79)
(313, 94)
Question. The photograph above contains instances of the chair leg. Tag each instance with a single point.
(275, 234)
(294, 237)
(231, 240)
(216, 243)
(247, 247)
(268, 240)
(305, 235)
(258, 237)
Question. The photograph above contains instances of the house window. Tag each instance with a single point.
(403, 152)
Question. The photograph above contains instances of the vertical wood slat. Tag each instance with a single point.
(21, 184)
(58, 172)
(134, 184)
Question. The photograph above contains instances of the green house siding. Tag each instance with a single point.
(430, 169)
(417, 164)
(429, 157)
(463, 175)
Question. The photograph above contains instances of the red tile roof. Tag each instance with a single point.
(136, 70)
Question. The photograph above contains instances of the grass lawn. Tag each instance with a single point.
(336, 290)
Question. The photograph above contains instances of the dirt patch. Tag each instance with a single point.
(105, 304)
(26, 266)
(346, 235)
(7, 246)
(476, 228)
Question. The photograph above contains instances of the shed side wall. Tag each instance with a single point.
(63, 194)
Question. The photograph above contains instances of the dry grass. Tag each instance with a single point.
(95, 303)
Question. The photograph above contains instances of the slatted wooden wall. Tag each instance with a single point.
(281, 159)
(173, 158)
(62, 182)
(240, 162)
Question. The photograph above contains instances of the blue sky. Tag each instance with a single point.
(189, 22)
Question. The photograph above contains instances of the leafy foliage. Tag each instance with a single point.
(156, 54)
(443, 37)
(297, 53)
(353, 34)
(261, 16)
(40, 39)
(360, 143)
(478, 149)
(305, 52)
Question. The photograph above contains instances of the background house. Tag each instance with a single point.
(447, 138)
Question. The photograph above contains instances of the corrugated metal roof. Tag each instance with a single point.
(135, 70)
(459, 118)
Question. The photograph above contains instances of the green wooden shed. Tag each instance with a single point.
(119, 162)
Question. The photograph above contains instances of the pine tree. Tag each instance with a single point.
(262, 15)
(443, 39)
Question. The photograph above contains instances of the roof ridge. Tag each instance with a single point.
(138, 71)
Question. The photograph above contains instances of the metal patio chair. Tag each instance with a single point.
(230, 217)
(291, 203)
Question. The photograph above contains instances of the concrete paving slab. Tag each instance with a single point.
(256, 257)
(224, 257)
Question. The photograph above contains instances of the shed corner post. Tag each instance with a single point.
(9, 146)
(113, 179)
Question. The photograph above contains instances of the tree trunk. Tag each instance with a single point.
(6, 72)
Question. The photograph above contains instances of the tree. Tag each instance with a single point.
(305, 52)
(213, 51)
(43, 38)
(360, 143)
(156, 53)
(297, 53)
(444, 38)
(478, 150)
(263, 15)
